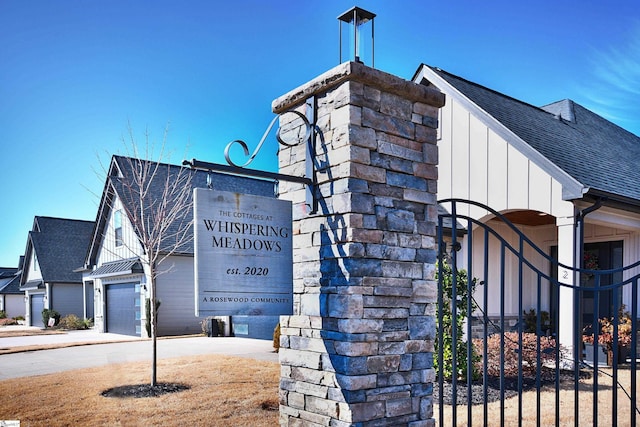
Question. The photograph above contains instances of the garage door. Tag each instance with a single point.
(37, 305)
(123, 308)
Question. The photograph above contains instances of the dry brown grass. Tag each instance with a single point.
(548, 405)
(224, 391)
(231, 391)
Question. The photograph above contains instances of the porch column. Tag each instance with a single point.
(358, 349)
(567, 308)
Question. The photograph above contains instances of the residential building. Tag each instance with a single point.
(56, 247)
(541, 167)
(11, 297)
(117, 266)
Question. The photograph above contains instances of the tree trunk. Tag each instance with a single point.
(154, 322)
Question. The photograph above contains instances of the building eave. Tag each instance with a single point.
(571, 188)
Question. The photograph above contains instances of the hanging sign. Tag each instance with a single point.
(243, 254)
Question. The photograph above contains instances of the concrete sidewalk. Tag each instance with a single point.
(80, 336)
(130, 349)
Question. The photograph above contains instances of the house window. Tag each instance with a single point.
(117, 225)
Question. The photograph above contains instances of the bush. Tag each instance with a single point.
(18, 318)
(464, 292)
(530, 319)
(511, 353)
(72, 321)
(48, 314)
(276, 338)
(3, 314)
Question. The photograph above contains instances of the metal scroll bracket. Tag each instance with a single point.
(290, 135)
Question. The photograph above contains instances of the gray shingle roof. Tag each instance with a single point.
(6, 272)
(10, 281)
(61, 247)
(597, 153)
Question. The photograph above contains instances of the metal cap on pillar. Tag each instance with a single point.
(353, 36)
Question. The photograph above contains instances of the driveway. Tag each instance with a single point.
(129, 349)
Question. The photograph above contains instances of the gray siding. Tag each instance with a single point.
(14, 305)
(176, 292)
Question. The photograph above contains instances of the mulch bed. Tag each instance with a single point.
(493, 387)
(144, 390)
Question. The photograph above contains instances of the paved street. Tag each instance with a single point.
(40, 362)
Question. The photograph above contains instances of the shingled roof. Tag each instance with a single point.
(121, 173)
(10, 280)
(60, 246)
(600, 155)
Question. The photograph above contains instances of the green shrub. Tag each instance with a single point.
(18, 318)
(464, 291)
(530, 319)
(276, 338)
(72, 321)
(88, 323)
(3, 314)
(48, 314)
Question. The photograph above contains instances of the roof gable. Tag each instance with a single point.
(587, 149)
(60, 246)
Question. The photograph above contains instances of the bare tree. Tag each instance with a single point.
(157, 200)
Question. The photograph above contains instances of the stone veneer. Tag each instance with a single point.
(358, 349)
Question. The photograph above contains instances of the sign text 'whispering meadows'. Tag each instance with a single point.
(243, 254)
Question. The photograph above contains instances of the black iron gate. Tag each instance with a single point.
(521, 346)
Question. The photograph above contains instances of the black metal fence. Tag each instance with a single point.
(516, 345)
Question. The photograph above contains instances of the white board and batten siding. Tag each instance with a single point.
(542, 236)
(32, 268)
(478, 164)
(130, 246)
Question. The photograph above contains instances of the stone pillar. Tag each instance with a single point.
(358, 349)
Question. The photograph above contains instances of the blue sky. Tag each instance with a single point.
(74, 74)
